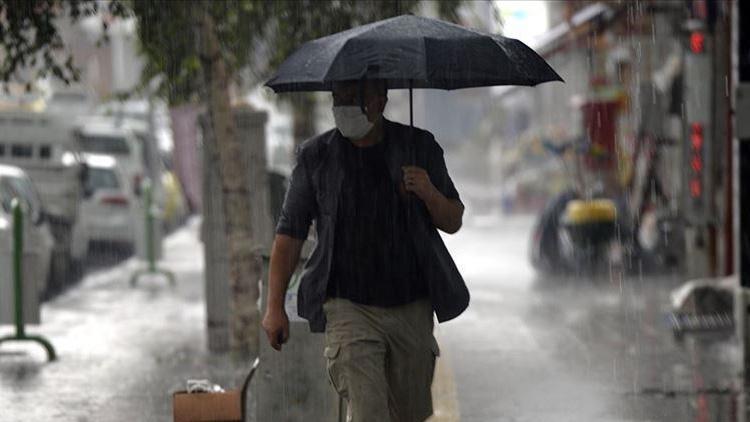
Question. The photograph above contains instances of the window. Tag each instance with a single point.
(21, 151)
(23, 188)
(114, 145)
(6, 195)
(45, 152)
(101, 178)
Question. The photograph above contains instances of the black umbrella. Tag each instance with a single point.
(412, 52)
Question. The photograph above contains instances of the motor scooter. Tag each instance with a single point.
(577, 232)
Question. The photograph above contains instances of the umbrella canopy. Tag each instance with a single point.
(412, 52)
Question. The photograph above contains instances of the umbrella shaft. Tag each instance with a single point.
(411, 124)
(411, 106)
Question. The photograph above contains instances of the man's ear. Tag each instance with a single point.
(381, 104)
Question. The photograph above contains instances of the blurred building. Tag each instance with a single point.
(609, 54)
(106, 67)
(646, 99)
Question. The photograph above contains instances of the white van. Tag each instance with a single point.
(43, 145)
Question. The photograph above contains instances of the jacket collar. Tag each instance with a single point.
(395, 156)
(395, 151)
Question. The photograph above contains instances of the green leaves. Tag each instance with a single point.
(170, 39)
(255, 35)
(30, 40)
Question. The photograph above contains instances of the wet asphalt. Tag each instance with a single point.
(537, 347)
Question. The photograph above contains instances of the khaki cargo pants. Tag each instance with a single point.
(381, 360)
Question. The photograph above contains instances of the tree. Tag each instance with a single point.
(235, 35)
(30, 44)
(200, 48)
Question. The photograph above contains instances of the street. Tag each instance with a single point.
(542, 349)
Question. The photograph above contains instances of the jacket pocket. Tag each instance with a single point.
(322, 199)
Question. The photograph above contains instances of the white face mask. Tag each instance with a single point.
(351, 121)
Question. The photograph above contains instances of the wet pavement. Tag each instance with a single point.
(533, 348)
(121, 350)
(528, 349)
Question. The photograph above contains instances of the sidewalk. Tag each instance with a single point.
(121, 350)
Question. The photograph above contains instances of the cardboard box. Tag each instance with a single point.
(207, 407)
(227, 406)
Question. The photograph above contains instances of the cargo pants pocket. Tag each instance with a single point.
(332, 354)
(434, 354)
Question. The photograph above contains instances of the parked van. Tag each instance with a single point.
(43, 145)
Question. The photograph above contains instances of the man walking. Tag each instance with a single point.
(377, 192)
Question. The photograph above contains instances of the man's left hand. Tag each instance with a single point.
(418, 181)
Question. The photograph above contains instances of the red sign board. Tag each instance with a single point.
(600, 122)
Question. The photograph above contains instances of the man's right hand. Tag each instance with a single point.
(276, 325)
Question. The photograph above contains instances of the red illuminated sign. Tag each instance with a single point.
(696, 160)
(697, 164)
(696, 135)
(697, 42)
(696, 189)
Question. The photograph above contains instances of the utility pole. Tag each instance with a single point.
(742, 134)
(741, 77)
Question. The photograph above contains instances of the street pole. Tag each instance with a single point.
(742, 128)
(18, 286)
(741, 74)
(150, 239)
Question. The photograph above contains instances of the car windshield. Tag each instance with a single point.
(101, 178)
(6, 195)
(114, 145)
(22, 188)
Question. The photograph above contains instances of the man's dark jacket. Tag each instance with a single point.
(313, 195)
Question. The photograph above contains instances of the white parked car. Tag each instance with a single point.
(109, 206)
(38, 240)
